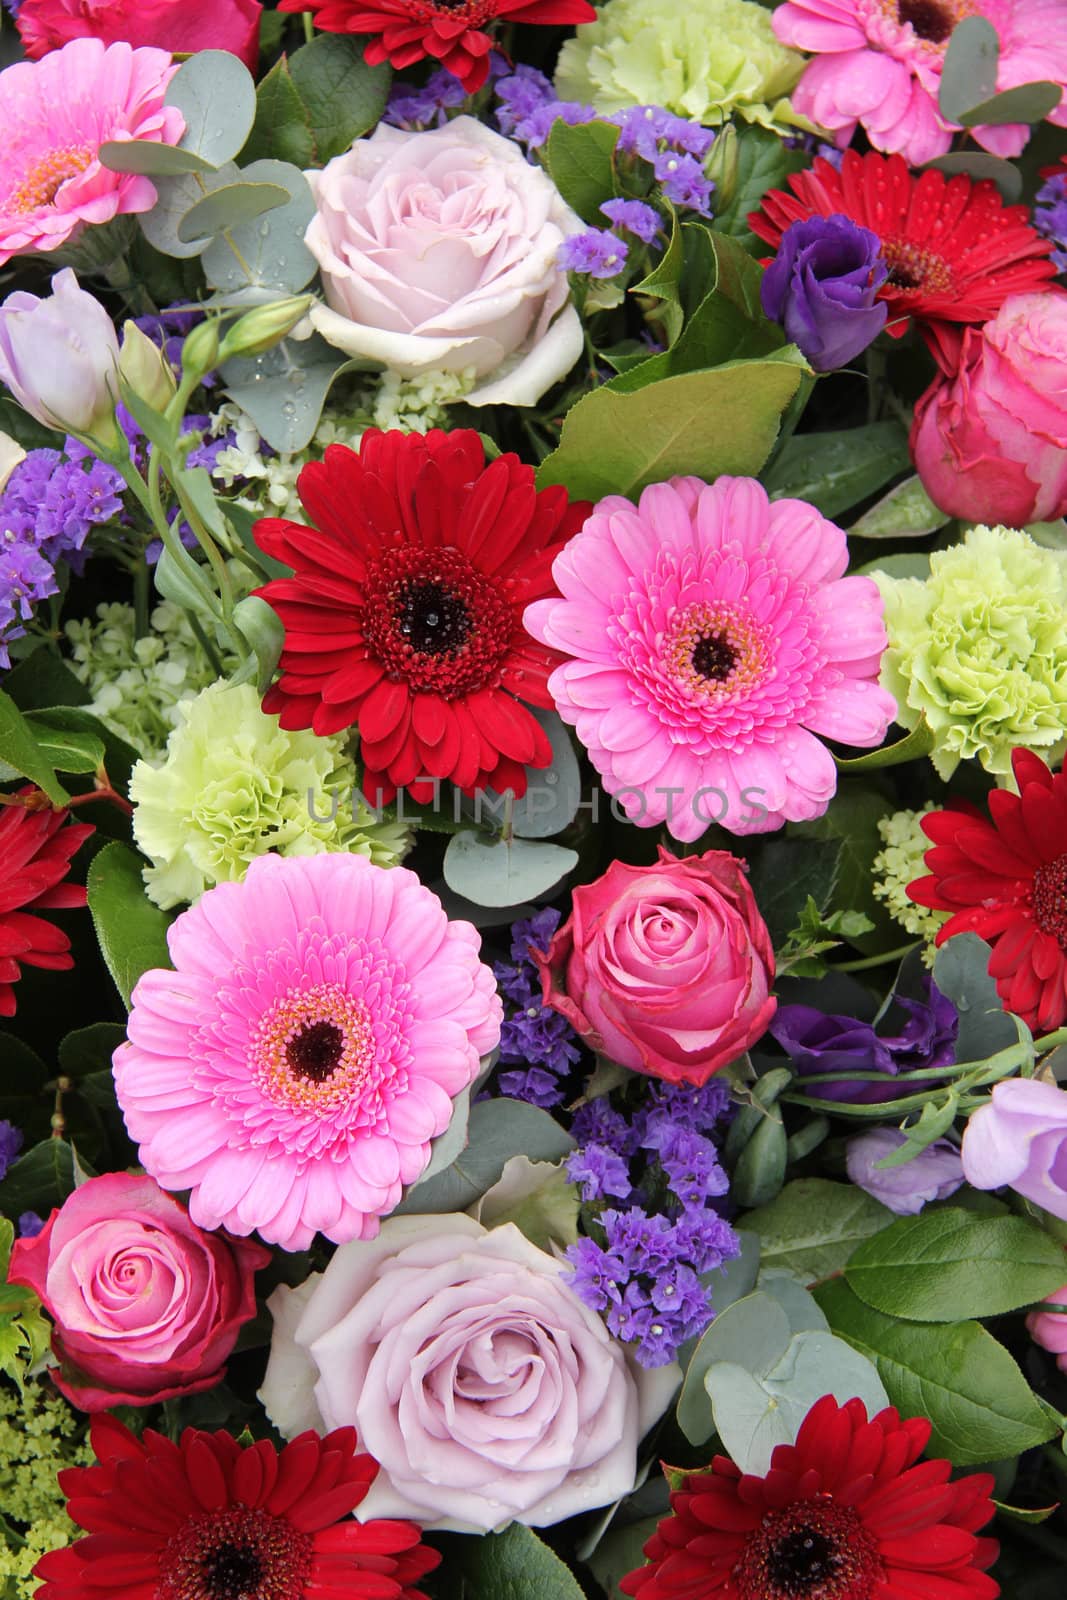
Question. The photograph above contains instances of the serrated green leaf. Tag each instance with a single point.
(20, 749)
(38, 1180)
(65, 748)
(947, 1266)
(981, 1407)
(784, 876)
(90, 1049)
(513, 1565)
(282, 129)
(342, 96)
(131, 930)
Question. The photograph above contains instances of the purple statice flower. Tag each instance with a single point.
(413, 108)
(596, 1276)
(691, 1164)
(933, 1174)
(818, 1043)
(519, 94)
(681, 1105)
(643, 221)
(682, 180)
(30, 1225)
(1050, 216)
(600, 1171)
(597, 1122)
(10, 1144)
(705, 1239)
(597, 252)
(532, 1033)
(822, 286)
(647, 130)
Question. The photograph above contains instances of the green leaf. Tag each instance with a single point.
(230, 206)
(42, 682)
(215, 93)
(285, 389)
(834, 471)
(513, 1565)
(538, 1197)
(753, 1332)
(814, 1226)
(282, 129)
(268, 253)
(615, 443)
(621, 1551)
(969, 69)
(945, 1266)
(90, 1049)
(7, 1239)
(343, 98)
(175, 198)
(498, 1130)
(763, 162)
(65, 748)
(132, 932)
(958, 1375)
(503, 873)
(1027, 102)
(581, 163)
(664, 282)
(554, 792)
(153, 160)
(906, 512)
(852, 818)
(784, 876)
(20, 749)
(760, 1170)
(38, 1180)
(978, 164)
(914, 745)
(961, 972)
(261, 626)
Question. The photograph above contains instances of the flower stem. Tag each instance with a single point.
(866, 962)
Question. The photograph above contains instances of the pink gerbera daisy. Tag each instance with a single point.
(293, 1069)
(878, 63)
(57, 113)
(712, 636)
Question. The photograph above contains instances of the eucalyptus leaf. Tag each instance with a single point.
(175, 198)
(961, 972)
(1027, 102)
(151, 159)
(553, 794)
(503, 873)
(753, 1333)
(270, 250)
(969, 68)
(979, 164)
(232, 205)
(215, 93)
(497, 1130)
(284, 390)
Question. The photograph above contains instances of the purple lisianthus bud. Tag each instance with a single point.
(822, 288)
(1020, 1139)
(817, 1043)
(933, 1174)
(10, 1144)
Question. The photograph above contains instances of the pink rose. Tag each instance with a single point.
(180, 26)
(438, 250)
(667, 968)
(990, 442)
(483, 1385)
(1020, 1140)
(1049, 1328)
(146, 1305)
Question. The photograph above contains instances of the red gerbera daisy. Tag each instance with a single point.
(1005, 879)
(205, 1519)
(843, 1514)
(404, 615)
(451, 31)
(35, 854)
(955, 250)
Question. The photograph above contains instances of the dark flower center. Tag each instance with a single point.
(714, 657)
(435, 621)
(929, 19)
(315, 1051)
(232, 1572)
(811, 1550)
(912, 266)
(473, 12)
(1049, 899)
(237, 1553)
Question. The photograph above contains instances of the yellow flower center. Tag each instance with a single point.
(44, 180)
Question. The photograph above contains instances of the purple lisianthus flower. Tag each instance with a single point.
(1019, 1140)
(10, 1144)
(817, 1043)
(30, 1225)
(933, 1174)
(822, 288)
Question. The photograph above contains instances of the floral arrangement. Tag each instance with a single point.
(533, 828)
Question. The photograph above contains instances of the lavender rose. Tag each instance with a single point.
(438, 251)
(483, 1385)
(1020, 1139)
(823, 285)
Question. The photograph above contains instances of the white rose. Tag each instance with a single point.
(438, 252)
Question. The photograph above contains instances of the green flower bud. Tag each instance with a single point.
(145, 369)
(260, 330)
(200, 352)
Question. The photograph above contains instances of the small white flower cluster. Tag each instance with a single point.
(899, 864)
(415, 405)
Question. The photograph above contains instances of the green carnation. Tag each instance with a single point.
(979, 648)
(900, 863)
(705, 60)
(234, 786)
